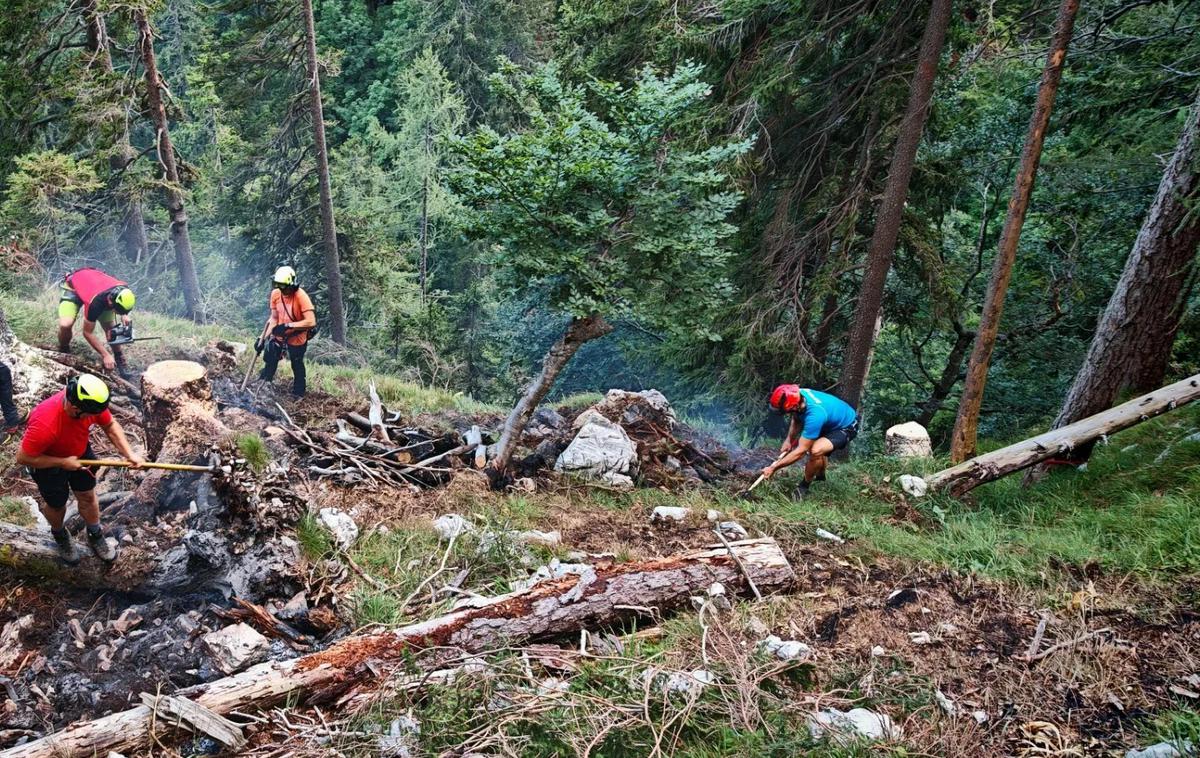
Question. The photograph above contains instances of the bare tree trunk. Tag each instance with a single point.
(861, 342)
(945, 382)
(1134, 336)
(966, 476)
(966, 425)
(174, 187)
(424, 235)
(133, 224)
(579, 331)
(333, 272)
(601, 597)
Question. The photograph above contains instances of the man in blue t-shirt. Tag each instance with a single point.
(821, 423)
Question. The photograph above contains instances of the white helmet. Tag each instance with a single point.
(285, 276)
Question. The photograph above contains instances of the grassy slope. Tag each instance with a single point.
(1133, 511)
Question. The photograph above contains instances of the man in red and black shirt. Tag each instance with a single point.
(102, 299)
(56, 437)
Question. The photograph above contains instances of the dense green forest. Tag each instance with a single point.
(706, 177)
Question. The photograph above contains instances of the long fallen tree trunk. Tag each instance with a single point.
(602, 596)
(968, 475)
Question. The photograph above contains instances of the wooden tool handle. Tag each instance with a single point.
(757, 482)
(114, 463)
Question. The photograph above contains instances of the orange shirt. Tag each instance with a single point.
(288, 309)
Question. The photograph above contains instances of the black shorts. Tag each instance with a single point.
(57, 484)
(841, 437)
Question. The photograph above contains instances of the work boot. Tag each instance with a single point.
(14, 426)
(66, 546)
(100, 545)
(801, 490)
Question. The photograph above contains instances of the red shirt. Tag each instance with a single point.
(50, 431)
(89, 282)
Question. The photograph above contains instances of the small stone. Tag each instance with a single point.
(716, 590)
(785, 650)
(829, 536)
(878, 651)
(235, 647)
(945, 703)
(920, 638)
(844, 728)
(914, 485)
(545, 539)
(1164, 750)
(341, 525)
(733, 530)
(981, 717)
(128, 619)
(686, 683)
(712, 514)
(553, 686)
(525, 484)
(452, 525)
(670, 513)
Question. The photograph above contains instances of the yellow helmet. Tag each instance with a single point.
(124, 300)
(88, 393)
(285, 276)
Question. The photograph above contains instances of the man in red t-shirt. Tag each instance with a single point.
(291, 319)
(56, 437)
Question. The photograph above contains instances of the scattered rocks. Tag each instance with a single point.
(712, 514)
(945, 703)
(11, 649)
(921, 638)
(631, 408)
(555, 569)
(878, 651)
(235, 647)
(340, 525)
(981, 717)
(910, 440)
(785, 650)
(670, 513)
(602, 452)
(535, 537)
(847, 727)
(398, 742)
(452, 525)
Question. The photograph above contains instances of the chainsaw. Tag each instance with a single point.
(122, 334)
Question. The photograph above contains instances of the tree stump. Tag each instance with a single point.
(169, 389)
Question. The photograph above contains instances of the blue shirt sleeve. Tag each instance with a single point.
(814, 422)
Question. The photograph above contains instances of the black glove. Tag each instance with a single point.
(280, 330)
(259, 344)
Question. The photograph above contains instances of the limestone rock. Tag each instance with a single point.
(602, 452)
(785, 650)
(340, 525)
(847, 727)
(452, 525)
(909, 440)
(235, 647)
(670, 513)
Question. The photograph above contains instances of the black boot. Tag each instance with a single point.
(801, 490)
(66, 546)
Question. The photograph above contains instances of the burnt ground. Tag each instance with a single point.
(885, 633)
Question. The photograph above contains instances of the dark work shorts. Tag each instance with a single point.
(56, 484)
(841, 437)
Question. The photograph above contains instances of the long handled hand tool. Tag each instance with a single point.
(115, 463)
(253, 360)
(761, 478)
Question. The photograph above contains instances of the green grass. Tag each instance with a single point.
(13, 510)
(315, 540)
(252, 447)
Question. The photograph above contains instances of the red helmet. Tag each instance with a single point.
(786, 398)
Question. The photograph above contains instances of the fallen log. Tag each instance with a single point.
(605, 596)
(966, 476)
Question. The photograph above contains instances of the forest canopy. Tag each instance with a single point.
(706, 177)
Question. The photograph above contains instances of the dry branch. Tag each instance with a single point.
(364, 662)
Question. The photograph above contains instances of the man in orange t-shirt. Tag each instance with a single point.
(289, 323)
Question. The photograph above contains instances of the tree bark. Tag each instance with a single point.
(949, 377)
(579, 331)
(553, 607)
(861, 341)
(133, 223)
(966, 424)
(965, 477)
(182, 240)
(1133, 339)
(333, 271)
(168, 387)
